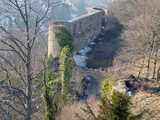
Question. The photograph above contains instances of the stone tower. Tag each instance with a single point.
(53, 45)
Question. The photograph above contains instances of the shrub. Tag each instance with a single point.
(121, 106)
(113, 105)
(106, 90)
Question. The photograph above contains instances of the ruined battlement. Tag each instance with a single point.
(83, 29)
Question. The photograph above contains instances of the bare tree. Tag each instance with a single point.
(141, 36)
(20, 42)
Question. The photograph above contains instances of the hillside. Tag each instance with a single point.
(79, 60)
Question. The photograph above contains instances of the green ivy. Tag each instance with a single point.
(65, 70)
(49, 111)
(57, 84)
(64, 38)
(50, 61)
(49, 94)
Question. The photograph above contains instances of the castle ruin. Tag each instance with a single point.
(83, 29)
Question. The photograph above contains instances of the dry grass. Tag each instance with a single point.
(70, 112)
(146, 102)
(122, 71)
(142, 102)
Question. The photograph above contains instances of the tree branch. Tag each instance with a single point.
(13, 49)
(13, 67)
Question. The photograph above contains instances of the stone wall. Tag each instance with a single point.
(86, 27)
(83, 28)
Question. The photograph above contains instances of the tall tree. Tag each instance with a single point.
(20, 42)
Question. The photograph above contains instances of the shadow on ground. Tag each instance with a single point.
(107, 45)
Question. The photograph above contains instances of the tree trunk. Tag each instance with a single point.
(29, 78)
(150, 55)
(158, 75)
(29, 90)
(155, 65)
(141, 69)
